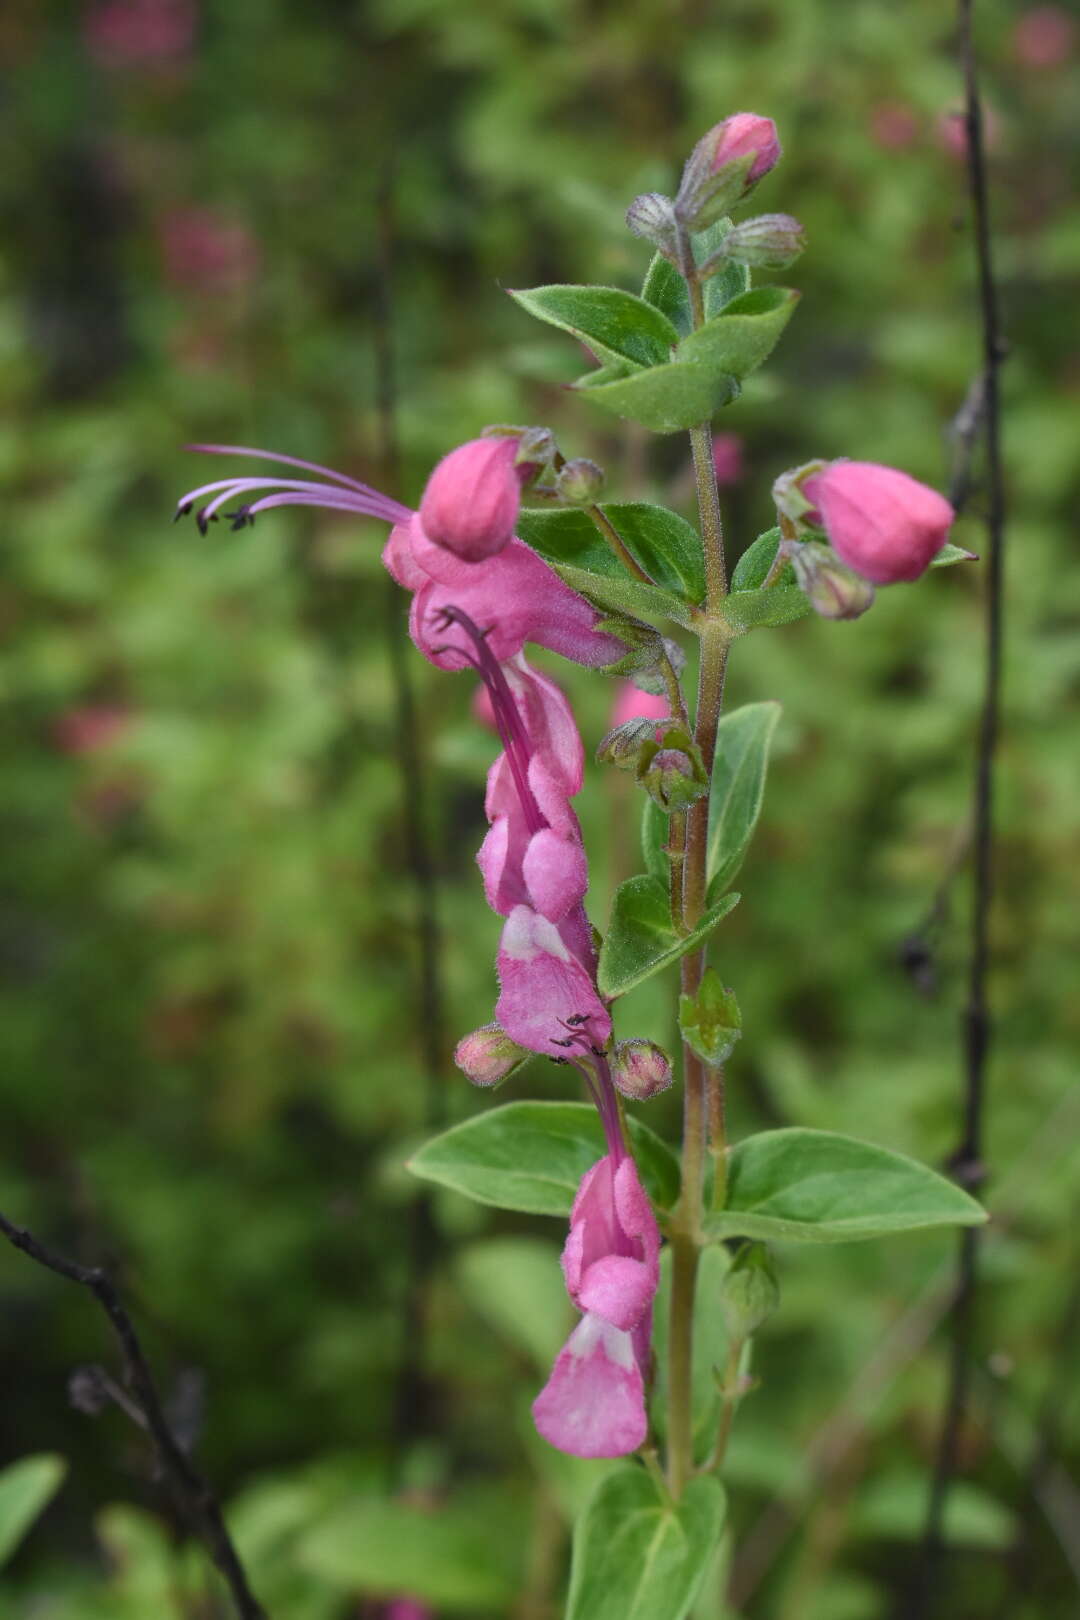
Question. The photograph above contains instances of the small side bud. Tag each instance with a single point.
(791, 503)
(488, 1055)
(579, 482)
(835, 591)
(624, 743)
(652, 216)
(674, 776)
(771, 242)
(750, 1293)
(640, 1069)
(710, 1021)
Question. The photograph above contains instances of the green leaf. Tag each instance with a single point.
(738, 786)
(766, 610)
(637, 1557)
(654, 835)
(665, 399)
(616, 324)
(531, 1156)
(641, 941)
(724, 287)
(26, 1487)
(453, 1557)
(665, 289)
(804, 1186)
(516, 1284)
(735, 342)
(754, 564)
(664, 544)
(710, 1021)
(625, 595)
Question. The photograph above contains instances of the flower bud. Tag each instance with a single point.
(771, 241)
(749, 1293)
(886, 526)
(640, 1069)
(674, 776)
(579, 482)
(724, 167)
(652, 216)
(471, 501)
(488, 1055)
(834, 591)
(624, 743)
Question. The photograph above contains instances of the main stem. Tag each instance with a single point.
(703, 1088)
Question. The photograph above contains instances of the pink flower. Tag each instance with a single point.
(206, 251)
(1043, 37)
(472, 499)
(140, 33)
(894, 125)
(403, 1608)
(743, 135)
(728, 457)
(631, 703)
(89, 726)
(884, 525)
(952, 131)
(593, 1405)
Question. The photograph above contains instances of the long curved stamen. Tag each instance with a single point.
(512, 733)
(285, 461)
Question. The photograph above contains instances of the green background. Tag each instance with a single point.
(212, 1029)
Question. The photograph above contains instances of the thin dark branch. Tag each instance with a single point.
(968, 1160)
(410, 1398)
(193, 1493)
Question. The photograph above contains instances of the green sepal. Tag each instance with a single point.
(531, 1156)
(665, 289)
(804, 1186)
(641, 940)
(637, 1554)
(743, 740)
(710, 1020)
(744, 334)
(617, 325)
(950, 554)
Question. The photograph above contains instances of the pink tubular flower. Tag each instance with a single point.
(884, 525)
(472, 499)
(743, 135)
(593, 1405)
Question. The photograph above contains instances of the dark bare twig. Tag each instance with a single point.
(967, 1162)
(410, 1397)
(192, 1491)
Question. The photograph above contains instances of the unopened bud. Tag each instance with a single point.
(652, 216)
(724, 166)
(624, 743)
(881, 522)
(579, 482)
(471, 502)
(674, 776)
(771, 241)
(488, 1055)
(640, 1069)
(749, 1293)
(835, 592)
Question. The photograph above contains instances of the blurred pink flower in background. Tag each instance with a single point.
(86, 727)
(140, 33)
(1044, 37)
(404, 1608)
(727, 450)
(631, 703)
(952, 131)
(206, 251)
(894, 125)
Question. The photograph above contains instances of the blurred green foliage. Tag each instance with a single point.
(213, 1061)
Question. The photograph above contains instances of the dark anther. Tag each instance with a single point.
(240, 519)
(182, 510)
(575, 1020)
(556, 1042)
(204, 521)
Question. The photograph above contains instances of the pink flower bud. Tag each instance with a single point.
(746, 135)
(1043, 37)
(488, 1055)
(472, 499)
(640, 1069)
(727, 451)
(883, 524)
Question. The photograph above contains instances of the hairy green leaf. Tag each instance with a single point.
(738, 785)
(641, 941)
(665, 399)
(639, 1557)
(615, 324)
(744, 334)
